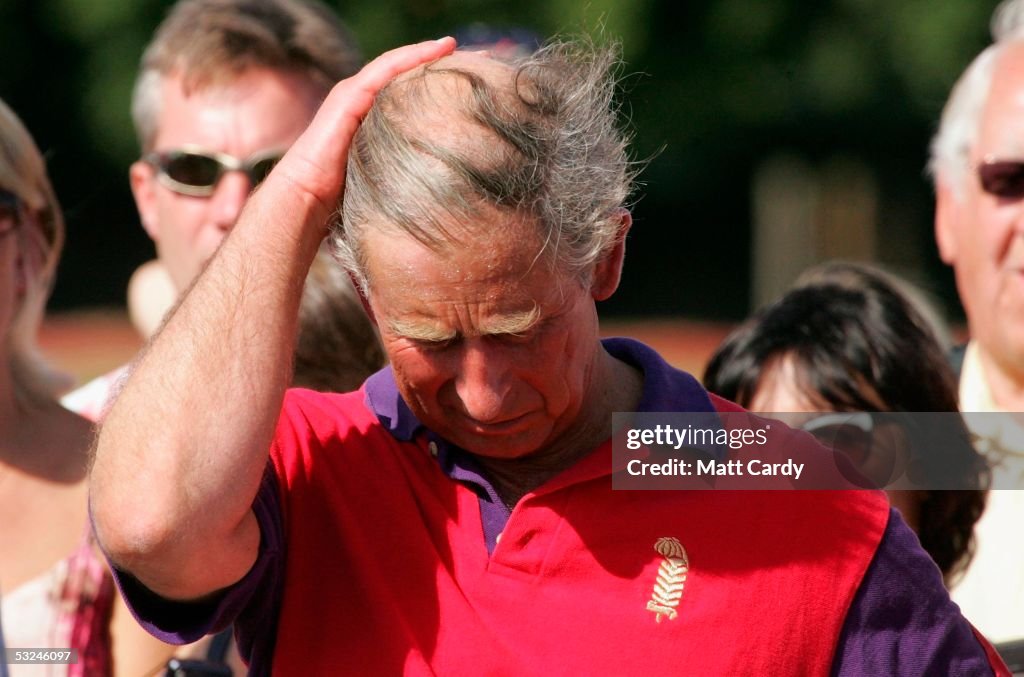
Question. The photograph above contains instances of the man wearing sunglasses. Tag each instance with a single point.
(215, 111)
(977, 161)
(224, 88)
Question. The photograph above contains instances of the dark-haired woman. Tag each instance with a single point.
(847, 338)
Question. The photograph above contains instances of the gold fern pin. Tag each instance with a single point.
(668, 588)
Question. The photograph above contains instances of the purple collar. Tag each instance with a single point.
(384, 400)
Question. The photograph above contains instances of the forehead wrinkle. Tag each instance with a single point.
(487, 286)
(455, 287)
(508, 250)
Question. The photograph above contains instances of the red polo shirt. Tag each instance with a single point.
(385, 552)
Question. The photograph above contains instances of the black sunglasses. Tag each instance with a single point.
(848, 432)
(10, 211)
(883, 446)
(1002, 178)
(195, 172)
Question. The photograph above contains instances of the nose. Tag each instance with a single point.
(483, 381)
(228, 198)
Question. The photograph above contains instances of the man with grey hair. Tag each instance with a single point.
(977, 161)
(224, 88)
(456, 515)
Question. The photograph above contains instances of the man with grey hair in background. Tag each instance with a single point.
(456, 514)
(224, 88)
(977, 162)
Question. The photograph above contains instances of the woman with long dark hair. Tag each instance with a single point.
(846, 338)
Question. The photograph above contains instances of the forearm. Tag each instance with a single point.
(181, 453)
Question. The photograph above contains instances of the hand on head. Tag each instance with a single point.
(315, 165)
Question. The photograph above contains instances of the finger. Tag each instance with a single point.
(390, 64)
(351, 99)
(317, 159)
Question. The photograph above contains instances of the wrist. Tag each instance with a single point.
(294, 220)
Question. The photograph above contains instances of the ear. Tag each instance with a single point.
(608, 272)
(947, 208)
(143, 183)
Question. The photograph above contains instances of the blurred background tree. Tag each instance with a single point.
(800, 126)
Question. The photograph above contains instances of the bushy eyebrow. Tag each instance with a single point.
(420, 331)
(510, 323)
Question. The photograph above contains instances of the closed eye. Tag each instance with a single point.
(433, 343)
(515, 338)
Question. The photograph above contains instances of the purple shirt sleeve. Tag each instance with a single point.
(252, 603)
(902, 621)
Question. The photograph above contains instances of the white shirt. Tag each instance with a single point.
(991, 592)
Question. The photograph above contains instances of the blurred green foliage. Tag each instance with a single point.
(712, 88)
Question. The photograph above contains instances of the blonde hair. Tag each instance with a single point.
(40, 238)
(212, 42)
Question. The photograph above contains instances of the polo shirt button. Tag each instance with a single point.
(433, 449)
(497, 539)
